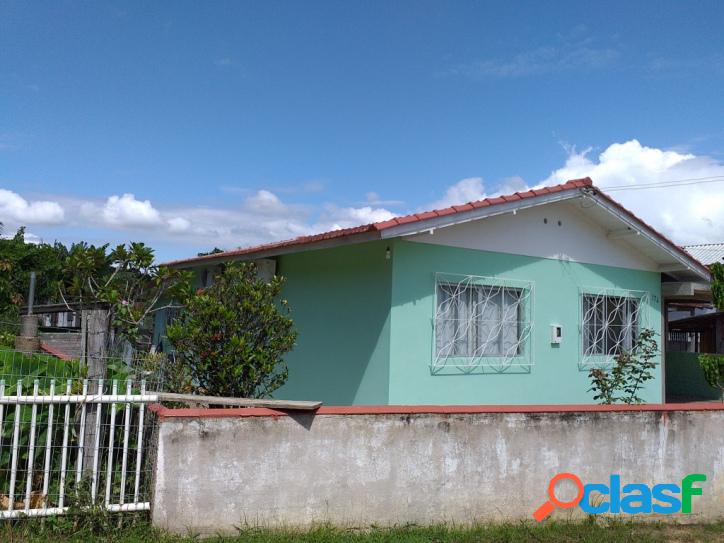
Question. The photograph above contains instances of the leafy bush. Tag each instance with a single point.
(18, 259)
(713, 367)
(630, 371)
(7, 339)
(232, 336)
(717, 285)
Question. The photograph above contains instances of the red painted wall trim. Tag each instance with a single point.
(164, 412)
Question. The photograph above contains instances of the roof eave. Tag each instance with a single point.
(372, 232)
(479, 213)
(211, 260)
(687, 262)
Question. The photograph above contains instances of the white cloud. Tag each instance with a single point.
(465, 190)
(687, 214)
(336, 217)
(264, 217)
(576, 51)
(265, 202)
(374, 199)
(28, 237)
(124, 212)
(510, 185)
(178, 225)
(17, 211)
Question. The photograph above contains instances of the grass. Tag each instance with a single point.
(110, 529)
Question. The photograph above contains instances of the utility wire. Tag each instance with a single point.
(669, 183)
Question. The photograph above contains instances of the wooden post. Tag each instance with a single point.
(28, 341)
(94, 351)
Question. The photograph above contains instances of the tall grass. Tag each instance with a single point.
(134, 529)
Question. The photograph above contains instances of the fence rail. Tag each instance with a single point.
(78, 447)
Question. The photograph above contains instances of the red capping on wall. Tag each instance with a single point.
(167, 413)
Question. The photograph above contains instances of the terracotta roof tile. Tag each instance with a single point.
(445, 211)
(386, 224)
(407, 219)
(427, 215)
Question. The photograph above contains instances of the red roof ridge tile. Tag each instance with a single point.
(425, 215)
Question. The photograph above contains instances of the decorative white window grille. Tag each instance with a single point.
(610, 322)
(481, 324)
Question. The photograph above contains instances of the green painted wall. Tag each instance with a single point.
(340, 300)
(685, 378)
(366, 335)
(555, 376)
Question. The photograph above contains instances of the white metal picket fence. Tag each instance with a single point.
(79, 444)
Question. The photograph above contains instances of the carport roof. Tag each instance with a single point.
(708, 253)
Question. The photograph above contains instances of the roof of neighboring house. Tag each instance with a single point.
(708, 253)
(697, 321)
(436, 218)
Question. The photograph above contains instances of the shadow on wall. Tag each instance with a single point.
(340, 307)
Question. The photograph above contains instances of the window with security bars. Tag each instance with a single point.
(610, 324)
(475, 320)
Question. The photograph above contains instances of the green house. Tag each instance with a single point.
(507, 300)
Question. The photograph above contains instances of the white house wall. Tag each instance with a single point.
(536, 232)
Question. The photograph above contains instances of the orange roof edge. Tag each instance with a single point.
(573, 184)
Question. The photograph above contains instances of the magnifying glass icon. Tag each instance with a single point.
(547, 508)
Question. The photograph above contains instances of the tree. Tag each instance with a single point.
(233, 335)
(630, 371)
(713, 367)
(717, 285)
(17, 260)
(125, 281)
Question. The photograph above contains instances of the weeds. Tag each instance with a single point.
(107, 528)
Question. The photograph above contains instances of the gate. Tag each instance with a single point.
(73, 444)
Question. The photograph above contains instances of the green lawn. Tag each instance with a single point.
(108, 530)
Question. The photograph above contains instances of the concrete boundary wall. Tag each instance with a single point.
(217, 469)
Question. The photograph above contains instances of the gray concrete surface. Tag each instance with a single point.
(67, 343)
(214, 474)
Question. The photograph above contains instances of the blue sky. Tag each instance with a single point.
(240, 122)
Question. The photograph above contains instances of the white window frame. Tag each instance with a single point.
(480, 355)
(609, 339)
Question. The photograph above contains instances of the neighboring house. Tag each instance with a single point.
(694, 327)
(507, 300)
(708, 253)
(694, 299)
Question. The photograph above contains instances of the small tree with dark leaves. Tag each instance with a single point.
(717, 285)
(713, 367)
(631, 370)
(232, 336)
